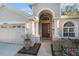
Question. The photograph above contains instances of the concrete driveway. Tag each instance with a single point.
(7, 49)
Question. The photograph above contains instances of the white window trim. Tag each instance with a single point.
(68, 31)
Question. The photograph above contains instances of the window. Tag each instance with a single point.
(44, 17)
(68, 30)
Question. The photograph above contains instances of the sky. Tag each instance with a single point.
(20, 6)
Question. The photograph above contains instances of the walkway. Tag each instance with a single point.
(45, 49)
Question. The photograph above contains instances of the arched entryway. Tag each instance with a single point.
(45, 25)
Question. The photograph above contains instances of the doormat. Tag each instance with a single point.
(32, 50)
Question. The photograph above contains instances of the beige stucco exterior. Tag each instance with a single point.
(31, 22)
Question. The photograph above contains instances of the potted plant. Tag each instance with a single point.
(27, 42)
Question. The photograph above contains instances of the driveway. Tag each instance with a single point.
(8, 49)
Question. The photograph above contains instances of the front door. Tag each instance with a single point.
(45, 30)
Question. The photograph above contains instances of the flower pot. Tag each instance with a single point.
(27, 44)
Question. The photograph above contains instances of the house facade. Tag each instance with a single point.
(45, 16)
(46, 23)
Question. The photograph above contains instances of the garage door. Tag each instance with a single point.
(12, 33)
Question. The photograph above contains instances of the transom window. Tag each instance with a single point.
(45, 16)
(68, 30)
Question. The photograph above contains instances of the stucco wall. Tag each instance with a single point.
(53, 7)
(59, 31)
(63, 21)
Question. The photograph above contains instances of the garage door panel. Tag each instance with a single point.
(11, 35)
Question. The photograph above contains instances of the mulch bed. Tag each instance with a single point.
(53, 53)
(32, 50)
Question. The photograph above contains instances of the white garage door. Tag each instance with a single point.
(12, 33)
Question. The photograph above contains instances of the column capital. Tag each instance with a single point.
(34, 18)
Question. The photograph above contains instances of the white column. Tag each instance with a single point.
(56, 29)
(32, 33)
(33, 28)
(37, 30)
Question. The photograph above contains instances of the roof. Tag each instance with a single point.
(12, 14)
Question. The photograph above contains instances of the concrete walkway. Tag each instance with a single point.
(45, 49)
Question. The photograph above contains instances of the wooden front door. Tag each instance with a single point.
(46, 30)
